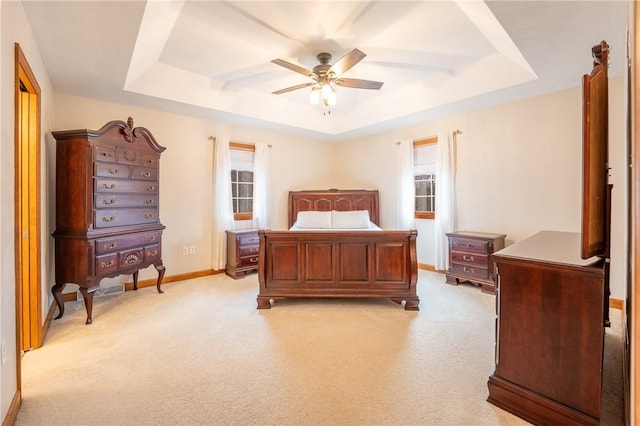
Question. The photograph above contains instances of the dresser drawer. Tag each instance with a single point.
(471, 259)
(124, 185)
(113, 170)
(129, 156)
(131, 257)
(113, 244)
(144, 173)
(469, 271)
(106, 264)
(119, 200)
(108, 218)
(104, 153)
(152, 253)
(469, 245)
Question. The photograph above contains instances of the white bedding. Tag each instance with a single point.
(353, 220)
(372, 227)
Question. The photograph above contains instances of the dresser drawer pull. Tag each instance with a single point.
(106, 154)
(108, 201)
(145, 174)
(148, 201)
(467, 258)
(108, 219)
(109, 246)
(107, 264)
(152, 253)
(113, 172)
(149, 188)
(152, 238)
(470, 270)
(150, 161)
(148, 216)
(112, 186)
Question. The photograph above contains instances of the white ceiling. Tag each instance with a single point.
(213, 58)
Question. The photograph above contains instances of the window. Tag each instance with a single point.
(242, 155)
(424, 171)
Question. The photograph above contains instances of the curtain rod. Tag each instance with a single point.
(213, 138)
(455, 132)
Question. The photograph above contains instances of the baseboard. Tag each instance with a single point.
(428, 267)
(12, 413)
(172, 278)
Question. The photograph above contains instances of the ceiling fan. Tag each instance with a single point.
(326, 77)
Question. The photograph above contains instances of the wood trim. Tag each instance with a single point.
(634, 231)
(12, 412)
(173, 278)
(243, 216)
(242, 146)
(427, 267)
(616, 303)
(425, 215)
(426, 141)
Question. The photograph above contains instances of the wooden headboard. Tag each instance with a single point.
(334, 199)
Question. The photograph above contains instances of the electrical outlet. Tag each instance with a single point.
(185, 250)
(3, 350)
(192, 249)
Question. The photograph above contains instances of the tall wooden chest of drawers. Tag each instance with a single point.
(242, 252)
(107, 220)
(470, 258)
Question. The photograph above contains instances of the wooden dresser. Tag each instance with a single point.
(470, 258)
(107, 196)
(242, 252)
(551, 308)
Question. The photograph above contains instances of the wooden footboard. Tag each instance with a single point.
(362, 264)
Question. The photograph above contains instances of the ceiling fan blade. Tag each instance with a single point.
(289, 89)
(347, 62)
(294, 67)
(359, 84)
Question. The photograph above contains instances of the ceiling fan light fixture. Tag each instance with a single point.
(314, 96)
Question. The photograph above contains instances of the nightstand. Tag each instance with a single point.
(470, 258)
(242, 252)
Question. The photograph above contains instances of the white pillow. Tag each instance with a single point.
(354, 219)
(314, 220)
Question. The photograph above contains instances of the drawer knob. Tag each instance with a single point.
(149, 188)
(467, 258)
(106, 154)
(113, 171)
(107, 264)
(148, 201)
(112, 186)
(470, 270)
(145, 174)
(148, 216)
(149, 239)
(152, 253)
(110, 246)
(108, 219)
(107, 202)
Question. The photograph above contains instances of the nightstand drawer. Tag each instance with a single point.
(469, 245)
(249, 260)
(469, 271)
(471, 259)
(249, 250)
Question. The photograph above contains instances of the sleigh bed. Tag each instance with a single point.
(341, 258)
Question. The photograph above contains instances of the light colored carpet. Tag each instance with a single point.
(201, 353)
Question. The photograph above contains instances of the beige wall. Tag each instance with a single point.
(14, 28)
(518, 170)
(186, 170)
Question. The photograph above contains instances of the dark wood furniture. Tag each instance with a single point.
(552, 300)
(334, 263)
(242, 252)
(549, 330)
(107, 220)
(470, 258)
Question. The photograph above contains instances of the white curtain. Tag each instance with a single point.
(445, 198)
(222, 204)
(260, 187)
(406, 185)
